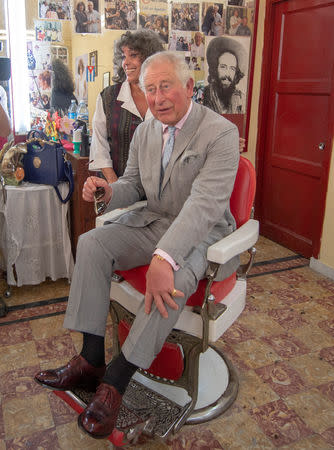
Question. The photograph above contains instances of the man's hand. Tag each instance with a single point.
(242, 144)
(90, 186)
(160, 287)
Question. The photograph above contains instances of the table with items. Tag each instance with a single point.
(35, 241)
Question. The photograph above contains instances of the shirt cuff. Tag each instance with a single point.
(168, 258)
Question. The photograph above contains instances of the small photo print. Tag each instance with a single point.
(87, 16)
(121, 15)
(185, 16)
(48, 31)
(213, 19)
(60, 53)
(194, 63)
(198, 94)
(197, 45)
(81, 92)
(180, 41)
(156, 23)
(236, 17)
(39, 55)
(226, 74)
(54, 9)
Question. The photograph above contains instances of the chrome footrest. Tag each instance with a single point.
(156, 413)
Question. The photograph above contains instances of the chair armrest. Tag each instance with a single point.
(117, 212)
(235, 243)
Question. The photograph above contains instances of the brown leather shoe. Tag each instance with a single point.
(99, 417)
(77, 373)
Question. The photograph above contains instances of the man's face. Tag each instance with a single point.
(227, 66)
(198, 39)
(166, 96)
(90, 6)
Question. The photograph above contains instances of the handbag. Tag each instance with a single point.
(45, 163)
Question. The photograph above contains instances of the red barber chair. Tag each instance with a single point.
(190, 381)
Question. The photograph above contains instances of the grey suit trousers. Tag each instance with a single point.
(119, 247)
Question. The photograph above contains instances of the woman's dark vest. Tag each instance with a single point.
(121, 125)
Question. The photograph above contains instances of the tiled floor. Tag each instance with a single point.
(282, 347)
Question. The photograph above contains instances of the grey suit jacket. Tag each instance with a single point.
(192, 205)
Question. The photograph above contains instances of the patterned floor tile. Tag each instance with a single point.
(12, 334)
(327, 354)
(46, 439)
(314, 409)
(313, 337)
(48, 327)
(287, 318)
(313, 369)
(282, 378)
(32, 413)
(49, 348)
(253, 391)
(256, 353)
(286, 345)
(281, 424)
(260, 324)
(20, 381)
(314, 442)
(71, 437)
(18, 356)
(239, 431)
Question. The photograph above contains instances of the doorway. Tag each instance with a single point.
(296, 122)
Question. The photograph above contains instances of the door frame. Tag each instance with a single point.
(263, 123)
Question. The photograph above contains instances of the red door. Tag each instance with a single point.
(296, 128)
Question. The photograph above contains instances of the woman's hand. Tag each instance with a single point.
(90, 186)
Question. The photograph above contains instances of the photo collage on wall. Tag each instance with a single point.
(40, 75)
(214, 37)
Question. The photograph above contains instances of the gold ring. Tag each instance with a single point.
(174, 293)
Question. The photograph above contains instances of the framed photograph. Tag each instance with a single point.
(93, 60)
(106, 79)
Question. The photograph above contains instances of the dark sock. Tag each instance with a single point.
(93, 349)
(119, 373)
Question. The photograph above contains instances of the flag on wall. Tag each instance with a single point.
(90, 73)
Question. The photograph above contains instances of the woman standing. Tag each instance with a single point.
(81, 18)
(122, 107)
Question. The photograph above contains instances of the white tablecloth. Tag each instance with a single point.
(34, 234)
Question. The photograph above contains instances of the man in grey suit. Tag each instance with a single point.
(184, 162)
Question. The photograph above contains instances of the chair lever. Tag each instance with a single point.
(215, 309)
(244, 269)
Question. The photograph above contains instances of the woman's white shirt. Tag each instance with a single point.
(99, 148)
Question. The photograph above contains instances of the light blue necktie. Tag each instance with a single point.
(168, 149)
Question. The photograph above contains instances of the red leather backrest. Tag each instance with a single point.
(243, 194)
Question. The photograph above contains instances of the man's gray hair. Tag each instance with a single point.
(181, 67)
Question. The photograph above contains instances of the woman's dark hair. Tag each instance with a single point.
(62, 79)
(81, 4)
(146, 42)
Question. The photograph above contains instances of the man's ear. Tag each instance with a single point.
(190, 87)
